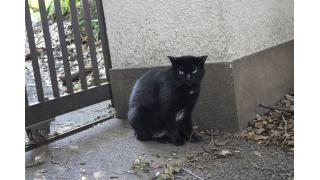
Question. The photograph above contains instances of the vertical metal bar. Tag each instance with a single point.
(104, 42)
(33, 52)
(77, 41)
(63, 44)
(104, 38)
(26, 95)
(87, 18)
(47, 39)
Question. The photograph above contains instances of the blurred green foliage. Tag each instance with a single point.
(65, 10)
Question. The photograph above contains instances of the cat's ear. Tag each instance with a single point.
(172, 59)
(203, 59)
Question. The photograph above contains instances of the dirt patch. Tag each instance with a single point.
(263, 151)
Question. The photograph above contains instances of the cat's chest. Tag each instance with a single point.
(186, 96)
(188, 93)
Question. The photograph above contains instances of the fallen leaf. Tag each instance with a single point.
(140, 164)
(289, 97)
(39, 159)
(74, 148)
(275, 133)
(257, 153)
(220, 143)
(260, 137)
(258, 117)
(291, 108)
(259, 131)
(225, 153)
(98, 174)
(290, 143)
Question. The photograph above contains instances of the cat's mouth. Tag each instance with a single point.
(188, 83)
(184, 83)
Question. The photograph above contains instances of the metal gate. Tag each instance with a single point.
(45, 109)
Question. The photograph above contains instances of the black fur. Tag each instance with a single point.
(160, 97)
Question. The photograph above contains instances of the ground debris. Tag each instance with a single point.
(140, 164)
(257, 153)
(274, 127)
(169, 171)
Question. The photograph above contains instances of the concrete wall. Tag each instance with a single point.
(262, 78)
(249, 43)
(230, 92)
(143, 32)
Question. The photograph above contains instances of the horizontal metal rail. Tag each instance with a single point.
(40, 112)
(51, 139)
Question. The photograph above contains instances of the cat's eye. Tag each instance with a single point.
(180, 72)
(194, 71)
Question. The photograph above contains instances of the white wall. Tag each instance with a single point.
(143, 32)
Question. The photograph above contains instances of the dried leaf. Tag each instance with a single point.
(258, 117)
(257, 153)
(260, 137)
(98, 174)
(259, 131)
(39, 159)
(290, 142)
(225, 153)
(74, 148)
(220, 143)
(169, 171)
(140, 164)
(291, 108)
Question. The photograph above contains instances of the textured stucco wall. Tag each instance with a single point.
(143, 32)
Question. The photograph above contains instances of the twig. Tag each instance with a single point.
(285, 129)
(65, 165)
(254, 164)
(192, 173)
(278, 109)
(205, 150)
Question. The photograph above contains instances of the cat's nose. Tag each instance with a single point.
(188, 76)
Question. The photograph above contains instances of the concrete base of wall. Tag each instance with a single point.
(231, 91)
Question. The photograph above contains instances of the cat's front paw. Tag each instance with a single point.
(195, 138)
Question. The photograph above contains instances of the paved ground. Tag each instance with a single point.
(108, 150)
(248, 161)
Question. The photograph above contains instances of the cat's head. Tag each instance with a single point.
(187, 70)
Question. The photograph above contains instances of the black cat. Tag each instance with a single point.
(161, 101)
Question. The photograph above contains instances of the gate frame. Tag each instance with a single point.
(44, 110)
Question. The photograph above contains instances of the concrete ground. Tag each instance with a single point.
(108, 150)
